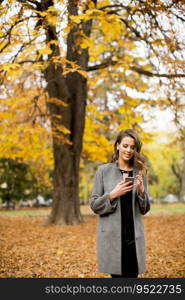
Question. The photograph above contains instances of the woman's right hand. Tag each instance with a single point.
(120, 189)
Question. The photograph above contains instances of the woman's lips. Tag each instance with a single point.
(127, 155)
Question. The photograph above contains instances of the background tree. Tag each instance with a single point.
(16, 181)
(25, 134)
(166, 159)
(63, 41)
(178, 165)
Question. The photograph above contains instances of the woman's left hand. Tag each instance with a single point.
(140, 185)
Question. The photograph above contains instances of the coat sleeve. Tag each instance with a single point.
(99, 201)
(143, 201)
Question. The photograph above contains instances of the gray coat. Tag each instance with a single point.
(109, 221)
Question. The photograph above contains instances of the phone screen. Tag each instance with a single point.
(131, 179)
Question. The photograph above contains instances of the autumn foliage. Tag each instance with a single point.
(73, 73)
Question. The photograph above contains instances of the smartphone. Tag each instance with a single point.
(131, 179)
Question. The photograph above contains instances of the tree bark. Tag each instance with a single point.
(179, 172)
(71, 89)
(182, 190)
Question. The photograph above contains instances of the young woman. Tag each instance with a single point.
(120, 205)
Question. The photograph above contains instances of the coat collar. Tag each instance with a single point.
(135, 170)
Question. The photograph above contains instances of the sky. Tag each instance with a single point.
(161, 120)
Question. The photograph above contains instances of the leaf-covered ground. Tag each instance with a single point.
(29, 249)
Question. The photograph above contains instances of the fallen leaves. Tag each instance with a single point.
(29, 249)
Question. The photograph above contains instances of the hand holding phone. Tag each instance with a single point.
(122, 188)
(129, 179)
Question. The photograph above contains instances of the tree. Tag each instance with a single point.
(166, 159)
(16, 181)
(25, 134)
(178, 166)
(100, 36)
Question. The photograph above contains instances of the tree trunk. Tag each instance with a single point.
(182, 190)
(71, 89)
(66, 206)
(179, 172)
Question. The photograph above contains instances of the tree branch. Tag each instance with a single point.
(32, 2)
(151, 74)
(110, 62)
(178, 17)
(175, 172)
(127, 8)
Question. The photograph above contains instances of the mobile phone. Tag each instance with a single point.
(131, 179)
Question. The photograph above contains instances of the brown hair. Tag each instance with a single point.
(138, 159)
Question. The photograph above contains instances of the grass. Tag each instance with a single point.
(25, 212)
(156, 208)
(168, 208)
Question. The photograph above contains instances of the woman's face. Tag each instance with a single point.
(126, 148)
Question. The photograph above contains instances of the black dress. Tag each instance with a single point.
(128, 250)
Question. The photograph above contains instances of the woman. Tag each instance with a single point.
(120, 204)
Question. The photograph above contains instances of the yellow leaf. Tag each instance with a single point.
(57, 101)
(46, 50)
(83, 73)
(60, 252)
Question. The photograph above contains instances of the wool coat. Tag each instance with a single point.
(109, 241)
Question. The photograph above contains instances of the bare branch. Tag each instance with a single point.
(23, 46)
(32, 2)
(151, 74)
(6, 45)
(121, 6)
(8, 33)
(110, 62)
(178, 17)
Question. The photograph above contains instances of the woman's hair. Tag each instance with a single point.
(137, 160)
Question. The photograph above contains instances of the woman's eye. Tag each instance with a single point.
(126, 146)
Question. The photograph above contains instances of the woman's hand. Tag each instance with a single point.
(120, 189)
(140, 185)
